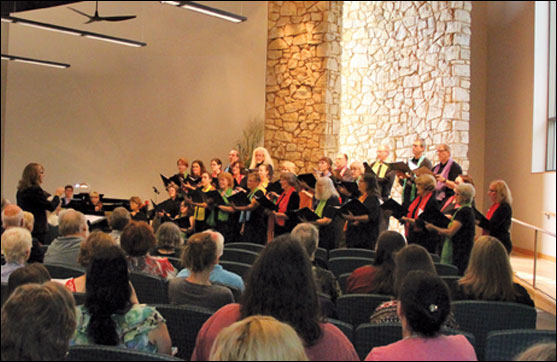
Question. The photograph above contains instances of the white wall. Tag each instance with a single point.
(509, 111)
(119, 115)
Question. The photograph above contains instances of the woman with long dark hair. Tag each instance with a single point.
(109, 317)
(281, 285)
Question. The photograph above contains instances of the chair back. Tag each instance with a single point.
(435, 258)
(353, 252)
(328, 308)
(446, 269)
(357, 308)
(343, 281)
(322, 254)
(256, 248)
(184, 322)
(507, 345)
(347, 264)
(239, 256)
(95, 352)
(59, 271)
(368, 336)
(150, 289)
(452, 283)
(238, 268)
(482, 317)
(236, 292)
(345, 328)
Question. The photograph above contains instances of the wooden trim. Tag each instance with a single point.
(531, 253)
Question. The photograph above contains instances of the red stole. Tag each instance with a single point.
(489, 214)
(416, 207)
(282, 203)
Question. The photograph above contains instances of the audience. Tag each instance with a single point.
(200, 258)
(16, 246)
(65, 248)
(169, 240)
(14, 216)
(410, 258)
(218, 274)
(379, 277)
(37, 323)
(31, 273)
(325, 280)
(258, 338)
(423, 308)
(137, 240)
(489, 275)
(109, 317)
(281, 285)
(88, 248)
(459, 235)
(118, 220)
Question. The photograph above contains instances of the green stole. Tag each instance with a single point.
(447, 251)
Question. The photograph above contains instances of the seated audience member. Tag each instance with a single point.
(169, 241)
(489, 275)
(258, 338)
(325, 280)
(538, 352)
(423, 307)
(410, 258)
(138, 212)
(37, 323)
(379, 277)
(109, 317)
(281, 285)
(65, 248)
(137, 240)
(16, 246)
(459, 235)
(118, 220)
(88, 248)
(14, 216)
(31, 273)
(200, 257)
(218, 275)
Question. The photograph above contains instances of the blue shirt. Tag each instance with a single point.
(220, 276)
(8, 268)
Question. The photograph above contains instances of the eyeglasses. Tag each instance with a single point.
(491, 190)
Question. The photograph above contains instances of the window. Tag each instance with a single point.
(550, 152)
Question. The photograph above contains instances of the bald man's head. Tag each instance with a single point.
(12, 215)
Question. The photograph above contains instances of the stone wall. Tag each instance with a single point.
(302, 119)
(405, 72)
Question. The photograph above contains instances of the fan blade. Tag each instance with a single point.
(80, 12)
(117, 18)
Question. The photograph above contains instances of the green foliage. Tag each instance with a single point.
(252, 137)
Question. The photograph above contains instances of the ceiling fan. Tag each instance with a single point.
(96, 17)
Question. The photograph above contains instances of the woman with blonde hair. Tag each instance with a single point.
(489, 275)
(325, 198)
(497, 222)
(287, 166)
(258, 338)
(259, 157)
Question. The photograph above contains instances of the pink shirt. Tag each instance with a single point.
(442, 348)
(333, 345)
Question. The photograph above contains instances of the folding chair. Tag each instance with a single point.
(149, 288)
(357, 308)
(238, 268)
(256, 248)
(110, 353)
(346, 328)
(239, 256)
(446, 269)
(347, 264)
(59, 271)
(506, 345)
(352, 252)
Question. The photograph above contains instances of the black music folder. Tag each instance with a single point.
(239, 199)
(266, 203)
(167, 180)
(351, 187)
(275, 187)
(306, 214)
(215, 196)
(197, 196)
(435, 217)
(398, 211)
(400, 167)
